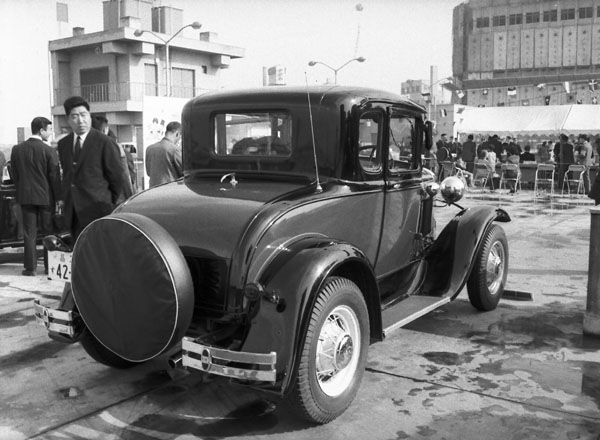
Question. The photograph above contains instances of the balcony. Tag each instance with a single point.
(125, 91)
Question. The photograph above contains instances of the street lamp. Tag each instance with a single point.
(335, 71)
(139, 32)
(432, 96)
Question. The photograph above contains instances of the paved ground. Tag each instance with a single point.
(523, 371)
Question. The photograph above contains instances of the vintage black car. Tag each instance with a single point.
(301, 232)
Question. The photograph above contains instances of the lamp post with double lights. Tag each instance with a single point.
(139, 32)
(335, 71)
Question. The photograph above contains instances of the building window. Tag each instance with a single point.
(532, 17)
(183, 83)
(499, 20)
(567, 14)
(150, 80)
(551, 15)
(586, 12)
(62, 12)
(205, 70)
(94, 84)
(483, 22)
(515, 19)
(598, 11)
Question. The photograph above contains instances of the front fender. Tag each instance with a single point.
(450, 258)
(295, 277)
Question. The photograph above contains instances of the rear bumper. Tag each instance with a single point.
(234, 364)
(62, 324)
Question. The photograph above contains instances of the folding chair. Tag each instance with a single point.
(544, 175)
(447, 169)
(574, 175)
(510, 173)
(482, 175)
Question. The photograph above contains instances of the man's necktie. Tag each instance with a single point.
(77, 150)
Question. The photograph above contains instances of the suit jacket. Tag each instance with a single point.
(163, 162)
(34, 169)
(95, 185)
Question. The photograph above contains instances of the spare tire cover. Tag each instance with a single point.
(132, 286)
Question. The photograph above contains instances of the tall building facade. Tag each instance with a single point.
(527, 52)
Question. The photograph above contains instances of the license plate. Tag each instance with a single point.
(59, 265)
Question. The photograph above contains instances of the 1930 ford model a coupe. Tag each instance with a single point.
(301, 232)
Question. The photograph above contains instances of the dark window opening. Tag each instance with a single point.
(532, 17)
(551, 15)
(482, 22)
(567, 14)
(515, 19)
(499, 20)
(94, 84)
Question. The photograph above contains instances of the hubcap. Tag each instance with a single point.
(495, 268)
(338, 347)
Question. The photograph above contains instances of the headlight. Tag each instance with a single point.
(452, 189)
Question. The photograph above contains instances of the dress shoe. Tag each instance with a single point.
(28, 273)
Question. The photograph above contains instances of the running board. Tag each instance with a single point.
(408, 310)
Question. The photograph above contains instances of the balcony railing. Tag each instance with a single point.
(125, 91)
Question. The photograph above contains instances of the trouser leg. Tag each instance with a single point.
(29, 236)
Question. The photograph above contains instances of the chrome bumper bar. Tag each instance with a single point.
(59, 321)
(248, 366)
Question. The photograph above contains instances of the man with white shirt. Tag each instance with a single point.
(93, 176)
(34, 169)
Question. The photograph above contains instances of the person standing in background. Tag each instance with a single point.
(563, 155)
(93, 175)
(468, 153)
(163, 159)
(585, 157)
(34, 169)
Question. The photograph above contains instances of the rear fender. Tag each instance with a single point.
(290, 284)
(450, 258)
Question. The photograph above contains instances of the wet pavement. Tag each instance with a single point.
(522, 371)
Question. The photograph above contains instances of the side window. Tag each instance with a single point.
(369, 141)
(402, 144)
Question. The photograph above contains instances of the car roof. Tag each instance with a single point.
(324, 95)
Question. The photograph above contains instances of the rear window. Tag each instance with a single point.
(252, 134)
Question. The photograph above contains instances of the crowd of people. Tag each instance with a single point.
(495, 149)
(84, 178)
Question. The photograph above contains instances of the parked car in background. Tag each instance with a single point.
(301, 232)
(11, 230)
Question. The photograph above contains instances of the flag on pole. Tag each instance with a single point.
(541, 86)
(567, 87)
(593, 84)
(460, 94)
(443, 112)
(512, 91)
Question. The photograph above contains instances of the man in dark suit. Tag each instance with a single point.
(93, 175)
(34, 169)
(563, 156)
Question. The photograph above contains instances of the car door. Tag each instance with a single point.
(398, 257)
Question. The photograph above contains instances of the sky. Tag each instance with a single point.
(400, 40)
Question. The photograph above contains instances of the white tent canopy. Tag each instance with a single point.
(543, 119)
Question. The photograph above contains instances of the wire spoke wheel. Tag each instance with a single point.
(334, 352)
(338, 348)
(485, 285)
